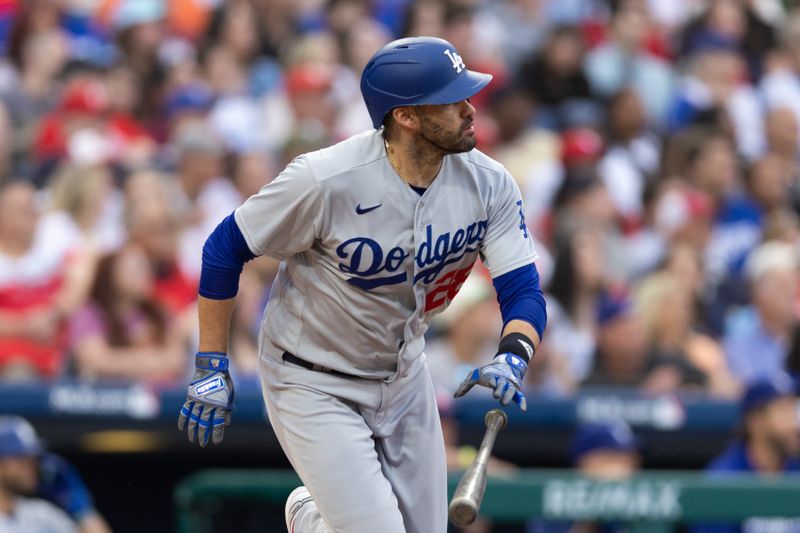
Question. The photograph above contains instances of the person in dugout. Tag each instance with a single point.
(40, 492)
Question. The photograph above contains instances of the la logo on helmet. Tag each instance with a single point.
(458, 63)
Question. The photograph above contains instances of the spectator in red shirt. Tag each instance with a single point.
(40, 283)
(154, 225)
(122, 333)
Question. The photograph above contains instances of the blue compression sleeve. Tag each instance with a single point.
(224, 255)
(520, 297)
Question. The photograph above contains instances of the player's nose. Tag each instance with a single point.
(467, 109)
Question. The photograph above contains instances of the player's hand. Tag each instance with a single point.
(504, 375)
(209, 399)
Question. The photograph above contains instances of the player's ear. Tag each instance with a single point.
(405, 116)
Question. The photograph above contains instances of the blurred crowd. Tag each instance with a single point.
(655, 143)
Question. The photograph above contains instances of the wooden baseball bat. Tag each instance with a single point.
(469, 493)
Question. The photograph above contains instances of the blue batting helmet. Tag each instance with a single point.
(18, 438)
(760, 393)
(608, 436)
(417, 71)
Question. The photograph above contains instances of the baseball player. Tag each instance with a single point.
(376, 235)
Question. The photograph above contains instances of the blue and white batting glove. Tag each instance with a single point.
(209, 399)
(504, 374)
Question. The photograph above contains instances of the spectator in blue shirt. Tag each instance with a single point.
(768, 446)
(757, 337)
(605, 451)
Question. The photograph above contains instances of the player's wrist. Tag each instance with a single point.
(518, 344)
(215, 361)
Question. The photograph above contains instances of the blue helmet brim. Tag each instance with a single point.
(459, 89)
(22, 450)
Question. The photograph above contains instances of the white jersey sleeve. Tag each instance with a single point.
(33, 515)
(283, 218)
(508, 243)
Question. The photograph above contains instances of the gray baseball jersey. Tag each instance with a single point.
(366, 260)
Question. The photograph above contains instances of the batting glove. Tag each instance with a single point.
(209, 399)
(504, 374)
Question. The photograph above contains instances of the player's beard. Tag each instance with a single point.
(444, 140)
(782, 449)
(18, 487)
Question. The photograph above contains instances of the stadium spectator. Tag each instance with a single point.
(553, 77)
(252, 170)
(423, 18)
(36, 54)
(679, 358)
(713, 169)
(714, 92)
(237, 27)
(153, 223)
(579, 277)
(20, 510)
(54, 480)
(531, 154)
(205, 194)
(140, 33)
(41, 283)
(738, 22)
(583, 202)
(782, 225)
(768, 446)
(623, 61)
(122, 333)
(515, 28)
(757, 337)
(781, 130)
(767, 184)
(89, 206)
(606, 451)
(631, 160)
(621, 355)
(235, 113)
(131, 144)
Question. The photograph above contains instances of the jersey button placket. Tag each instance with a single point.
(419, 236)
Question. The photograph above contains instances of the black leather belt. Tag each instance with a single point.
(291, 358)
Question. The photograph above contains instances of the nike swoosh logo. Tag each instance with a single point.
(362, 211)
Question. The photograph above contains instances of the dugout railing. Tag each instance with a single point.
(649, 502)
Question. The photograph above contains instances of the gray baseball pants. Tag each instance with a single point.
(370, 452)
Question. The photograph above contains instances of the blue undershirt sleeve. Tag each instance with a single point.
(521, 298)
(224, 255)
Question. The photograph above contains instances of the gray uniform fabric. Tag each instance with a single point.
(372, 281)
(366, 263)
(369, 451)
(31, 515)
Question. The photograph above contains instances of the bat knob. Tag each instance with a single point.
(496, 419)
(462, 511)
